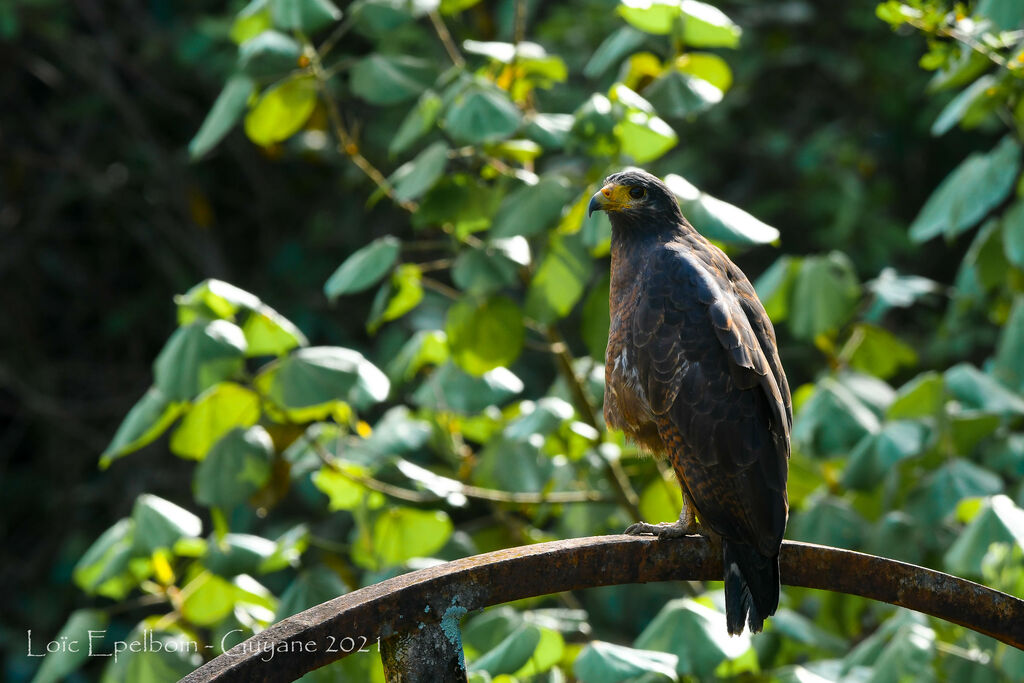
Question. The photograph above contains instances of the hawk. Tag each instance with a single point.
(693, 375)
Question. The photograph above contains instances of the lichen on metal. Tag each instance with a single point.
(456, 588)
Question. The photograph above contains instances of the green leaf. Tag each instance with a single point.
(208, 599)
(716, 219)
(236, 467)
(390, 79)
(216, 412)
(160, 523)
(1008, 365)
(484, 271)
(343, 492)
(402, 293)
(651, 16)
(539, 418)
(644, 137)
(661, 501)
(825, 294)
(214, 298)
(601, 662)
(695, 634)
(560, 279)
(400, 534)
(596, 318)
(510, 654)
(364, 268)
(894, 290)
(412, 179)
(268, 55)
(148, 419)
(238, 554)
(977, 390)
(706, 66)
(311, 587)
(922, 396)
(281, 111)
(165, 657)
(878, 453)
(461, 201)
(678, 94)
(451, 389)
(963, 198)
(549, 651)
(958, 106)
(1000, 521)
(877, 351)
(1006, 15)
(623, 41)
(84, 629)
(902, 649)
(514, 465)
(828, 521)
(775, 286)
(550, 131)
(105, 560)
(223, 116)
(532, 209)
(1013, 234)
(935, 498)
(426, 347)
(320, 374)
(705, 25)
(417, 123)
(197, 356)
(307, 16)
(481, 113)
(252, 20)
(485, 335)
(832, 420)
(268, 333)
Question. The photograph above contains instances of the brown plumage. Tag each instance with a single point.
(693, 374)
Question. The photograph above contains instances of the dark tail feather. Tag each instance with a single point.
(751, 586)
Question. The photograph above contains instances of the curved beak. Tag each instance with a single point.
(601, 201)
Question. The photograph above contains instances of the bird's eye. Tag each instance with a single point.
(637, 192)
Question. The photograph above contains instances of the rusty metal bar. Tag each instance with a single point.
(441, 595)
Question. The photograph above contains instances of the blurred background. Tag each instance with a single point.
(829, 124)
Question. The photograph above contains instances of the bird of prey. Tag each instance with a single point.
(693, 374)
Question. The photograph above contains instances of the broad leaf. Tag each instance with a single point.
(532, 209)
(160, 523)
(268, 55)
(412, 179)
(480, 114)
(601, 662)
(364, 268)
(147, 420)
(560, 280)
(226, 111)
(716, 219)
(81, 635)
(216, 412)
(695, 634)
(320, 374)
(485, 335)
(825, 293)
(197, 356)
(390, 79)
(307, 16)
(451, 389)
(236, 467)
(281, 111)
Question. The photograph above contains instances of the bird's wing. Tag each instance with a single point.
(706, 360)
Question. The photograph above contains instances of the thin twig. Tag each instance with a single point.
(346, 143)
(467, 490)
(441, 288)
(446, 39)
(614, 473)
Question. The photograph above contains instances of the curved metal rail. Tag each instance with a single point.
(416, 615)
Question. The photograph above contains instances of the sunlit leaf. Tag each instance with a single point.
(716, 219)
(215, 413)
(450, 388)
(623, 41)
(146, 421)
(877, 351)
(695, 634)
(705, 25)
(160, 523)
(532, 209)
(281, 111)
(319, 374)
(238, 554)
(400, 534)
(825, 293)
(602, 662)
(560, 280)
(644, 137)
(485, 335)
(510, 654)
(402, 293)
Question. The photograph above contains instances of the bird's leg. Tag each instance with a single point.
(687, 524)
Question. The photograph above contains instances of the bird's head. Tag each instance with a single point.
(635, 197)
